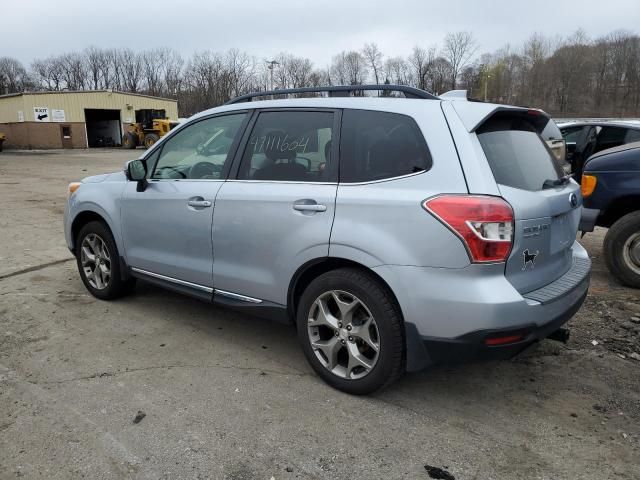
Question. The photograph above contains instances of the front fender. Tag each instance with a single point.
(102, 199)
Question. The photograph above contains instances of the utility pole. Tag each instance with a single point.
(486, 83)
(271, 64)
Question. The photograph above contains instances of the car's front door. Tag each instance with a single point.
(278, 211)
(167, 227)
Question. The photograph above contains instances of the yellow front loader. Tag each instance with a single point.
(149, 127)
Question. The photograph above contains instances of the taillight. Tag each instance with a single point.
(588, 184)
(483, 223)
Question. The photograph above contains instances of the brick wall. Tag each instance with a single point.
(45, 135)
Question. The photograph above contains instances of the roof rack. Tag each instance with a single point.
(338, 91)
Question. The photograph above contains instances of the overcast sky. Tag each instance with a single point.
(36, 28)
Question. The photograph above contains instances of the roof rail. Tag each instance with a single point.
(338, 91)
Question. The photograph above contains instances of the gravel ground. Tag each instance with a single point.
(217, 394)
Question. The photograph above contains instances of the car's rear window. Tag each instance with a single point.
(518, 156)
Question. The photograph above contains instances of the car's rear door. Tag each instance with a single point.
(277, 213)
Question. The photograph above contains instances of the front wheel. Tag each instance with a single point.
(99, 263)
(150, 139)
(129, 141)
(351, 331)
(622, 249)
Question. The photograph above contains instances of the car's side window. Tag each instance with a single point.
(379, 145)
(199, 151)
(572, 134)
(289, 146)
(609, 137)
(632, 135)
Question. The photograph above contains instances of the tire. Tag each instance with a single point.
(129, 141)
(100, 244)
(150, 139)
(387, 327)
(622, 260)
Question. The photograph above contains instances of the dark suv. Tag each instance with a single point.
(611, 191)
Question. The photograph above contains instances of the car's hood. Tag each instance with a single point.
(113, 177)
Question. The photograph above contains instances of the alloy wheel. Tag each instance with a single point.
(343, 334)
(96, 261)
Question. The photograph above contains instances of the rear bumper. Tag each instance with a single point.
(472, 345)
(588, 219)
(448, 313)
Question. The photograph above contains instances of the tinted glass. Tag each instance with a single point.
(610, 137)
(289, 146)
(379, 145)
(517, 155)
(632, 136)
(572, 134)
(199, 151)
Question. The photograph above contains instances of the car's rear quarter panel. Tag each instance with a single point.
(383, 222)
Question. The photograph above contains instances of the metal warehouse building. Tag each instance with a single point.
(80, 119)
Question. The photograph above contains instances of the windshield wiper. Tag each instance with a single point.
(550, 183)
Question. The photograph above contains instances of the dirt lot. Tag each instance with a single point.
(228, 396)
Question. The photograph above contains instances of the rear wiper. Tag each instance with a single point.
(550, 183)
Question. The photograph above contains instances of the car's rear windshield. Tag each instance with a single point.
(518, 156)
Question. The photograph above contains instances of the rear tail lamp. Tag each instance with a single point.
(483, 223)
(588, 184)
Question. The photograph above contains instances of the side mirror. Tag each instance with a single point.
(136, 171)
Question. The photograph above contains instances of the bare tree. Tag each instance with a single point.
(373, 57)
(74, 71)
(173, 74)
(153, 67)
(97, 64)
(397, 71)
(130, 70)
(458, 49)
(421, 61)
(13, 76)
(349, 68)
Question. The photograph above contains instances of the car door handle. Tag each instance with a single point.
(199, 203)
(314, 207)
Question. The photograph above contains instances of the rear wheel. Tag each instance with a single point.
(150, 139)
(99, 263)
(622, 249)
(129, 141)
(351, 331)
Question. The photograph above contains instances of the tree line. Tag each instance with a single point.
(567, 76)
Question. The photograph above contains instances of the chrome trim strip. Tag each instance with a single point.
(237, 296)
(236, 180)
(173, 280)
(390, 179)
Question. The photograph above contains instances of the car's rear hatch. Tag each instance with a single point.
(546, 205)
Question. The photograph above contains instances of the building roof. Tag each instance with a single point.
(55, 92)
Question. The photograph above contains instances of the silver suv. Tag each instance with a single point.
(394, 233)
